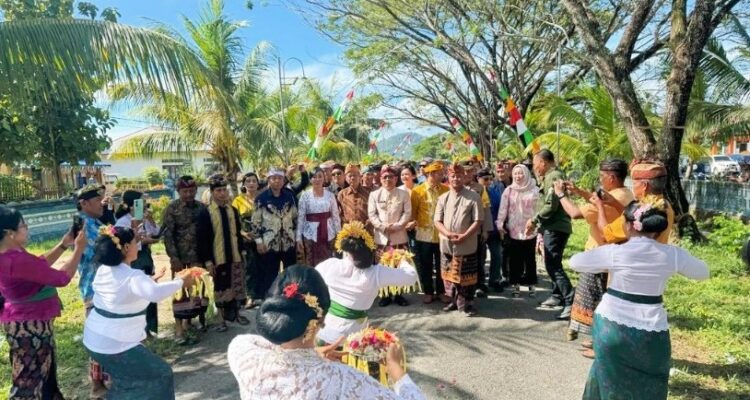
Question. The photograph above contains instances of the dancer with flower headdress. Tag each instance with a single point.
(630, 331)
(114, 329)
(355, 280)
(283, 363)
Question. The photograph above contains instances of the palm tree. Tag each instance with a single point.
(220, 119)
(590, 130)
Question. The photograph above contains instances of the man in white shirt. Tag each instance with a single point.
(389, 209)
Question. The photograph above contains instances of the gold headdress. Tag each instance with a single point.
(355, 229)
(291, 291)
(111, 232)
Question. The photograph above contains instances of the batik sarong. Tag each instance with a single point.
(629, 364)
(229, 288)
(32, 360)
(589, 292)
(137, 374)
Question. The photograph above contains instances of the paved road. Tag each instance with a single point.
(511, 350)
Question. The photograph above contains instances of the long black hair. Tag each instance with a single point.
(106, 251)
(281, 319)
(128, 199)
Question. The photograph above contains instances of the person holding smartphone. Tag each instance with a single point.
(131, 214)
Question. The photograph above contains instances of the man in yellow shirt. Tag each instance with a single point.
(423, 200)
(649, 183)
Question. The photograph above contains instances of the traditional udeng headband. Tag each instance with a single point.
(291, 291)
(355, 229)
(111, 232)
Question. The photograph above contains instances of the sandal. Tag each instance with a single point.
(532, 291)
(588, 344)
(242, 320)
(516, 291)
(221, 328)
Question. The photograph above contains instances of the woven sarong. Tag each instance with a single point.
(461, 270)
(32, 357)
(629, 363)
(589, 292)
(137, 374)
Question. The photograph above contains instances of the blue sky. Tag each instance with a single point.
(268, 21)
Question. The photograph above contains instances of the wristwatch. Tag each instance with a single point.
(562, 196)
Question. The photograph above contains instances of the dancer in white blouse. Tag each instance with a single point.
(282, 363)
(630, 331)
(113, 331)
(318, 220)
(354, 281)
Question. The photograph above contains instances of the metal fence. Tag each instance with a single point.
(724, 197)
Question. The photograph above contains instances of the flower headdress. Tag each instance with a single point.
(291, 291)
(647, 203)
(355, 229)
(111, 232)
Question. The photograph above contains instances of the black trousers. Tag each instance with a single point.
(498, 260)
(428, 255)
(521, 261)
(269, 267)
(554, 246)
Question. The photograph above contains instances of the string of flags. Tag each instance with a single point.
(403, 145)
(515, 120)
(332, 120)
(374, 141)
(466, 137)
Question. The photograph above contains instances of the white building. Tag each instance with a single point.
(126, 162)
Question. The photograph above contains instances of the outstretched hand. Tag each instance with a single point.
(329, 351)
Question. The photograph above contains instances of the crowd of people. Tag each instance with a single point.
(303, 248)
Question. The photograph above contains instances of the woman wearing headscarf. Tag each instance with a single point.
(283, 363)
(516, 208)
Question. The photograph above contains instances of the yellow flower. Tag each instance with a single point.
(355, 229)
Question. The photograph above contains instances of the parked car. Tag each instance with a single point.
(720, 165)
(742, 159)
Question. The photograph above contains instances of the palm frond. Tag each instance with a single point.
(41, 58)
(722, 74)
(152, 144)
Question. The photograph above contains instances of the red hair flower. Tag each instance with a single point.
(291, 290)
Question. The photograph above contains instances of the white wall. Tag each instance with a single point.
(133, 168)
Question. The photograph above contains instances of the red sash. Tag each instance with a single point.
(322, 220)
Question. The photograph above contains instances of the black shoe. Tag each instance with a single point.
(551, 302)
(384, 302)
(496, 287)
(400, 300)
(450, 307)
(565, 314)
(470, 311)
(480, 294)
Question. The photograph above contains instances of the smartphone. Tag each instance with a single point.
(600, 193)
(138, 209)
(77, 225)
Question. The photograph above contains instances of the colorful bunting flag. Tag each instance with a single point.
(466, 137)
(375, 137)
(515, 120)
(325, 129)
(403, 145)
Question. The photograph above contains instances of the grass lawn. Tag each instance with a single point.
(710, 327)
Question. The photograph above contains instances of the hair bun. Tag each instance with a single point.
(281, 320)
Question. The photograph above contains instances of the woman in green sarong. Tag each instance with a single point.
(631, 334)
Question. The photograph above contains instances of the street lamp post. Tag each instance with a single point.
(282, 78)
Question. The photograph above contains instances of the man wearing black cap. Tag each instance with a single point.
(180, 223)
(221, 252)
(90, 210)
